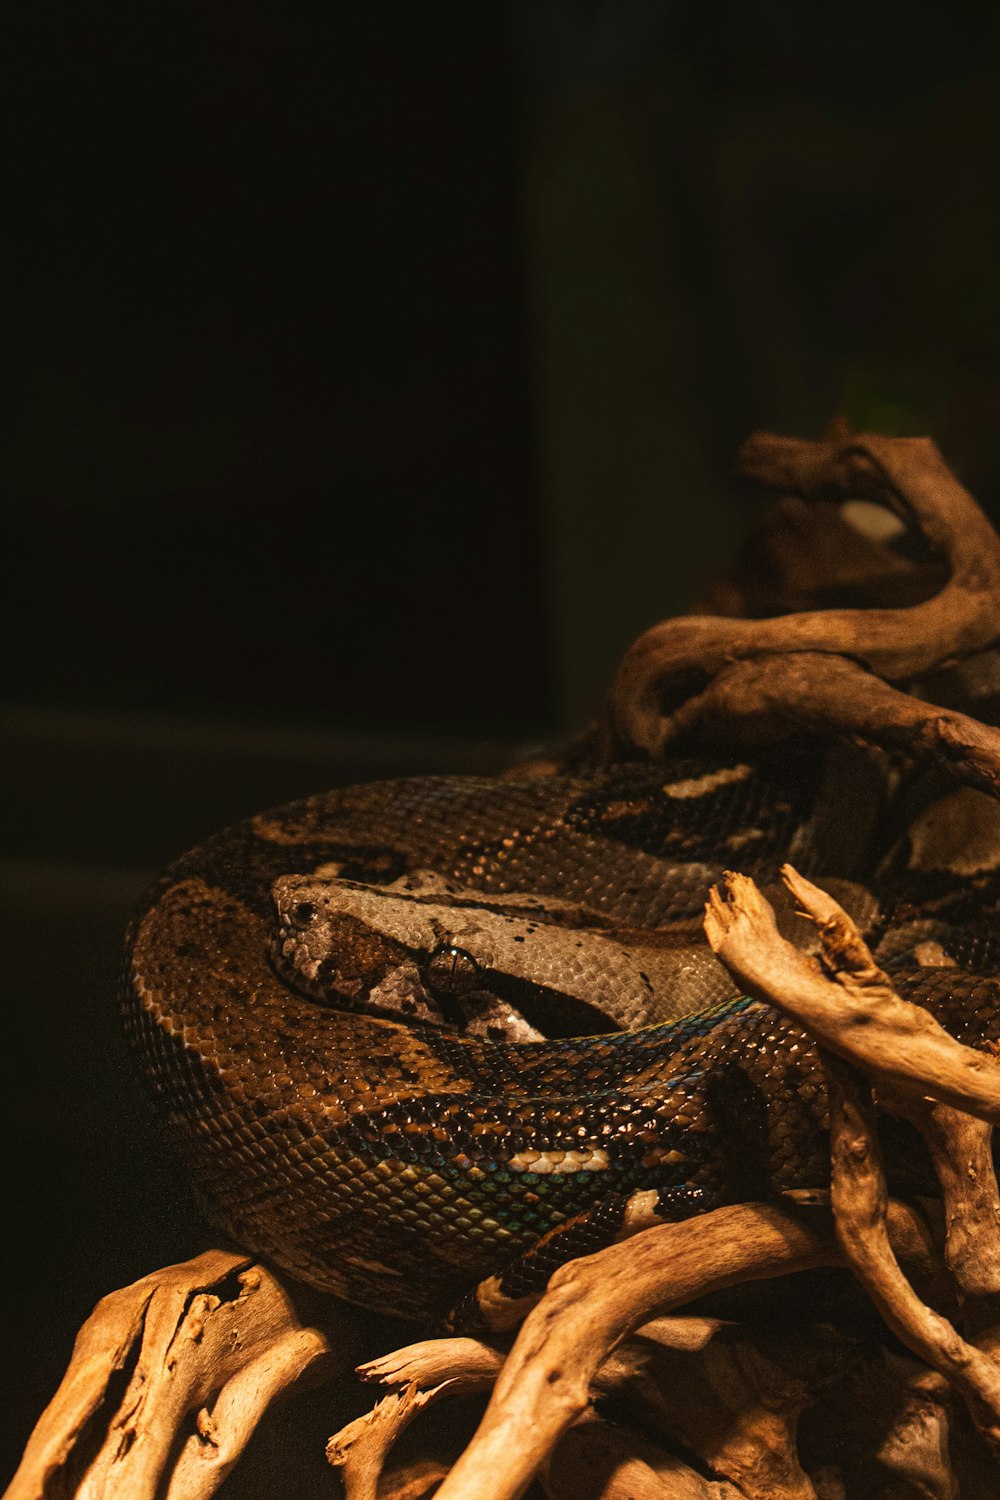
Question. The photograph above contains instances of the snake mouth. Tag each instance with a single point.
(316, 980)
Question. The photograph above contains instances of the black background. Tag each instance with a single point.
(271, 414)
(371, 375)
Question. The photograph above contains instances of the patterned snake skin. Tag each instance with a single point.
(330, 1002)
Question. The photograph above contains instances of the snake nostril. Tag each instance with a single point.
(302, 913)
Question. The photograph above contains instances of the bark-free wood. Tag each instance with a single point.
(909, 475)
(168, 1380)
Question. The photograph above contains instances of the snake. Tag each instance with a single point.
(420, 1042)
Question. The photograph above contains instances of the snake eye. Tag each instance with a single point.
(450, 971)
(302, 913)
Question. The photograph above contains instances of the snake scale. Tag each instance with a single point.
(339, 1006)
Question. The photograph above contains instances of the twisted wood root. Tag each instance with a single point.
(170, 1377)
(754, 679)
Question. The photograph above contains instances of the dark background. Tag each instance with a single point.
(372, 375)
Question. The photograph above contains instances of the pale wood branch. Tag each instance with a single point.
(847, 1004)
(860, 1203)
(417, 1480)
(961, 1152)
(860, 1018)
(898, 644)
(360, 1449)
(762, 697)
(199, 1350)
(593, 1303)
(466, 1364)
(699, 1379)
(598, 1461)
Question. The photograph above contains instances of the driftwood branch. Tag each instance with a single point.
(595, 1302)
(908, 475)
(729, 1397)
(934, 1068)
(961, 1150)
(360, 1449)
(860, 1017)
(599, 1461)
(169, 1379)
(860, 1203)
(763, 697)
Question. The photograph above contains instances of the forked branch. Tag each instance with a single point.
(676, 662)
(200, 1350)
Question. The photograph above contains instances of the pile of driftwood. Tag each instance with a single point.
(623, 1380)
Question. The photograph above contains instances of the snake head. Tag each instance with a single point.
(361, 947)
(335, 956)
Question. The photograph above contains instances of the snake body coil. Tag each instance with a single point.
(302, 989)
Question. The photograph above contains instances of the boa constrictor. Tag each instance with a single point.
(339, 1004)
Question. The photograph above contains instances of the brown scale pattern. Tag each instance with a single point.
(371, 1159)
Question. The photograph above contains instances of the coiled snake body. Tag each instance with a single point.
(337, 1003)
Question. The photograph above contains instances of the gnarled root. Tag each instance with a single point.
(556, 1365)
(169, 1379)
(739, 678)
